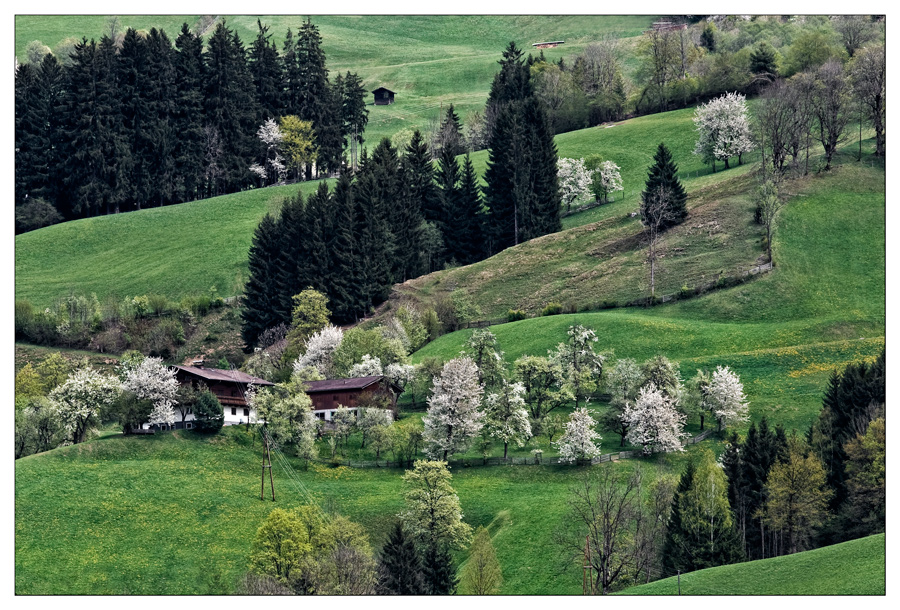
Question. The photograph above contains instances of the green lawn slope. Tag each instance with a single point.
(176, 513)
(850, 568)
(822, 307)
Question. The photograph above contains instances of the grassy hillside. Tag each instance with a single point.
(176, 514)
(186, 248)
(850, 568)
(783, 333)
(428, 60)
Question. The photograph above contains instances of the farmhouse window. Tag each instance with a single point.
(246, 412)
(234, 410)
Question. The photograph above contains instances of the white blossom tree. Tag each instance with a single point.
(484, 350)
(369, 367)
(271, 136)
(372, 418)
(152, 380)
(654, 423)
(344, 421)
(574, 180)
(726, 398)
(606, 179)
(453, 418)
(506, 417)
(80, 398)
(723, 128)
(320, 348)
(582, 366)
(400, 374)
(622, 382)
(285, 413)
(580, 441)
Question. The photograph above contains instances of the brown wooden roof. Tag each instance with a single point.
(223, 375)
(331, 385)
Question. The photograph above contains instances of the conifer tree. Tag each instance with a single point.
(290, 74)
(373, 192)
(133, 90)
(260, 308)
(418, 176)
(314, 98)
(230, 105)
(447, 179)
(466, 232)
(354, 114)
(403, 570)
(346, 258)
(664, 174)
(187, 116)
(292, 268)
(439, 571)
(266, 70)
(160, 125)
(449, 136)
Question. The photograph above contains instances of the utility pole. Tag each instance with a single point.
(266, 463)
(587, 578)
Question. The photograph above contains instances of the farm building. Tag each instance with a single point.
(383, 96)
(327, 394)
(228, 386)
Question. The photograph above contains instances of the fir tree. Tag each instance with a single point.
(450, 135)
(439, 571)
(664, 174)
(376, 187)
(260, 310)
(134, 90)
(465, 232)
(290, 75)
(187, 116)
(160, 125)
(266, 70)
(346, 258)
(292, 266)
(403, 572)
(354, 114)
(314, 97)
(447, 179)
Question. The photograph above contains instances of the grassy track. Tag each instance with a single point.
(850, 568)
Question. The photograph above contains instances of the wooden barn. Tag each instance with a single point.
(327, 394)
(228, 386)
(383, 96)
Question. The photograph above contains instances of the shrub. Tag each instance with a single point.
(34, 214)
(141, 306)
(157, 304)
(570, 307)
(608, 304)
(164, 337)
(514, 315)
(552, 309)
(208, 413)
(24, 318)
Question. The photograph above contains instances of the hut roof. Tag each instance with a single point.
(223, 375)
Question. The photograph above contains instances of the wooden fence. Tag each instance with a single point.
(499, 461)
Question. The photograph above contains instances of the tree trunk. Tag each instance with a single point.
(702, 418)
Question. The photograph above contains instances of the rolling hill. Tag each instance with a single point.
(856, 567)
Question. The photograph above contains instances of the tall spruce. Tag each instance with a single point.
(292, 272)
(465, 236)
(187, 116)
(260, 308)
(664, 174)
(374, 193)
(402, 565)
(522, 192)
(134, 91)
(439, 571)
(267, 78)
(290, 75)
(354, 114)
(314, 95)
(447, 179)
(230, 106)
(160, 125)
(346, 257)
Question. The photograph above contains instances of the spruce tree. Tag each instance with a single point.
(187, 116)
(354, 113)
(290, 75)
(267, 78)
(418, 173)
(403, 572)
(675, 548)
(373, 194)
(133, 90)
(292, 272)
(160, 126)
(346, 258)
(450, 135)
(465, 232)
(314, 96)
(260, 310)
(447, 180)
(664, 174)
(522, 192)
(439, 571)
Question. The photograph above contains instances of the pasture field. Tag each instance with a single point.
(176, 513)
(430, 61)
(856, 567)
(822, 307)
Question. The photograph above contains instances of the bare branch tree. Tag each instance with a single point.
(655, 215)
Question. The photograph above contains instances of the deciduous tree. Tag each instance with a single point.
(726, 398)
(653, 422)
(580, 441)
(481, 574)
(433, 514)
(81, 398)
(453, 418)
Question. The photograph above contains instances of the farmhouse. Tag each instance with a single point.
(383, 96)
(228, 386)
(327, 394)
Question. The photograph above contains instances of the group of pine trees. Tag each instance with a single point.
(776, 493)
(135, 122)
(401, 215)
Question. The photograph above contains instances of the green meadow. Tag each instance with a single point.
(856, 567)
